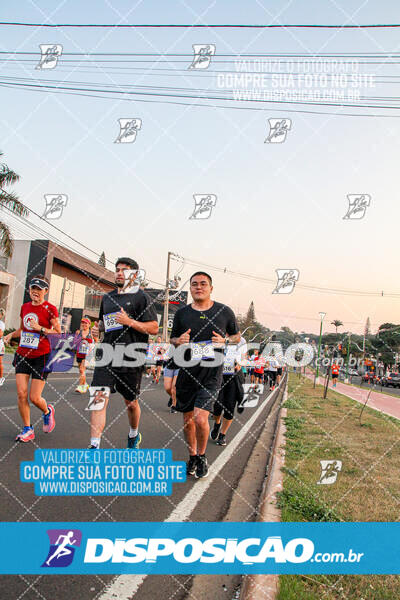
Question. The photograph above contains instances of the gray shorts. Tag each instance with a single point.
(171, 372)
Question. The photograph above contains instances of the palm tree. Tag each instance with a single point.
(337, 324)
(10, 201)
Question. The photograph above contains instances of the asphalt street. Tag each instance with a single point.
(160, 429)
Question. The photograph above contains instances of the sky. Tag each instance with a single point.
(278, 205)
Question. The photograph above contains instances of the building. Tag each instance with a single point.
(77, 284)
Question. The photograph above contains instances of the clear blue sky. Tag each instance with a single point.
(279, 205)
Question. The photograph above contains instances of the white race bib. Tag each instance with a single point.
(29, 339)
(202, 350)
(83, 348)
(229, 366)
(110, 322)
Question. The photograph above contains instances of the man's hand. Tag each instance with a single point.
(184, 338)
(122, 318)
(218, 339)
(34, 325)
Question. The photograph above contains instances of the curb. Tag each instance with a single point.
(265, 587)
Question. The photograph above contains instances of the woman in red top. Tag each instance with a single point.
(83, 349)
(39, 318)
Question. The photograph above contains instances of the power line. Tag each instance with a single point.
(298, 285)
(61, 89)
(201, 26)
(221, 106)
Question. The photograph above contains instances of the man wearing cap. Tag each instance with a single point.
(125, 318)
(39, 319)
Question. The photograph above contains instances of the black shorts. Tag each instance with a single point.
(335, 375)
(279, 371)
(125, 381)
(272, 376)
(197, 387)
(79, 359)
(231, 393)
(31, 366)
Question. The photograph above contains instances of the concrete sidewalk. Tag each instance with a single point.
(389, 405)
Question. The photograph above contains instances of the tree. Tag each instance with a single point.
(102, 259)
(336, 323)
(10, 201)
(250, 316)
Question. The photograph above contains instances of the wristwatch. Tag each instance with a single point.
(42, 331)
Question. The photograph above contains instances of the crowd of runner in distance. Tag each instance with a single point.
(203, 330)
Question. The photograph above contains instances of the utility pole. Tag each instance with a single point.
(61, 306)
(166, 300)
(348, 357)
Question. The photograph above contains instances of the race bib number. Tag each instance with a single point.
(83, 348)
(110, 322)
(202, 350)
(229, 366)
(29, 339)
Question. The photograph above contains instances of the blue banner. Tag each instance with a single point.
(204, 548)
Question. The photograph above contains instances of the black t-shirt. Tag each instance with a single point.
(202, 323)
(219, 318)
(138, 306)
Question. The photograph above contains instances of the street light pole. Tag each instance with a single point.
(322, 315)
(166, 300)
(348, 357)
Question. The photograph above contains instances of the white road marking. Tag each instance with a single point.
(125, 586)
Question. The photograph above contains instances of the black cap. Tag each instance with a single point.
(40, 283)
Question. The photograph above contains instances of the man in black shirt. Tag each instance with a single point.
(125, 318)
(207, 325)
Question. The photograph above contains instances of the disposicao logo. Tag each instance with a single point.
(191, 550)
(63, 543)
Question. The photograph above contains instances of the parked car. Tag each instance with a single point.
(391, 380)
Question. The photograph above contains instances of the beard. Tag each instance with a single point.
(120, 284)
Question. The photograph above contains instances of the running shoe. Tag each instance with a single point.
(221, 441)
(173, 409)
(240, 408)
(79, 389)
(49, 421)
(191, 465)
(134, 442)
(2, 380)
(215, 431)
(26, 435)
(202, 467)
(91, 447)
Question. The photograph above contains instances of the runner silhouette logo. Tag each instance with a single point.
(63, 543)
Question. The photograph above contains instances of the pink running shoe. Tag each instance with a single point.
(49, 421)
(26, 435)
